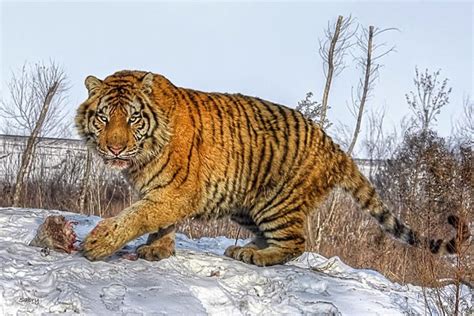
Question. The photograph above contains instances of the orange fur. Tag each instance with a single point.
(195, 154)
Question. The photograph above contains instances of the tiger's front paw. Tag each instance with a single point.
(155, 253)
(102, 241)
(158, 247)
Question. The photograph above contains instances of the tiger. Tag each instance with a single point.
(193, 154)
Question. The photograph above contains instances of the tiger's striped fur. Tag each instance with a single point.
(204, 155)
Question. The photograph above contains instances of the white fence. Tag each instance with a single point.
(52, 154)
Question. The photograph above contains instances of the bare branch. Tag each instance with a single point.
(464, 128)
(370, 73)
(430, 97)
(22, 108)
(337, 42)
(378, 144)
(369, 65)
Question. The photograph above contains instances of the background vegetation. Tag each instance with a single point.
(422, 176)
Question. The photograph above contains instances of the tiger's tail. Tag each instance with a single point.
(369, 200)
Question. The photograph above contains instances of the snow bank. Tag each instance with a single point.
(198, 280)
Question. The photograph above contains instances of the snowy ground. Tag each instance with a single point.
(198, 280)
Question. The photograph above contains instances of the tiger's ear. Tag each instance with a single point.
(147, 83)
(92, 84)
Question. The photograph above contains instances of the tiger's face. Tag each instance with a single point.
(116, 119)
(119, 129)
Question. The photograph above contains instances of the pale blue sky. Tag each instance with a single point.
(266, 49)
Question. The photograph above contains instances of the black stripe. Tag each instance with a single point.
(271, 123)
(255, 179)
(359, 187)
(267, 174)
(90, 113)
(170, 180)
(296, 238)
(222, 199)
(188, 162)
(280, 214)
(383, 216)
(230, 124)
(398, 228)
(121, 81)
(197, 106)
(257, 113)
(324, 138)
(296, 150)
(368, 199)
(412, 238)
(188, 105)
(435, 245)
(289, 223)
(250, 160)
(242, 220)
(147, 108)
(210, 114)
(158, 172)
(242, 151)
(219, 115)
(246, 107)
(211, 196)
(266, 207)
(273, 202)
(286, 141)
(311, 139)
(252, 261)
(175, 97)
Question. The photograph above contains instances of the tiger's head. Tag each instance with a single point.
(119, 119)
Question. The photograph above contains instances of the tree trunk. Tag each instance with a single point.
(85, 182)
(323, 225)
(324, 109)
(365, 91)
(327, 87)
(31, 143)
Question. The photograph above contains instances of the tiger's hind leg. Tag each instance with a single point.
(283, 237)
(160, 245)
(259, 241)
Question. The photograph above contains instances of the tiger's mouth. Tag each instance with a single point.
(118, 163)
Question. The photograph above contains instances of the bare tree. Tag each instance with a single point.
(378, 144)
(464, 128)
(333, 50)
(85, 185)
(27, 90)
(369, 65)
(428, 99)
(35, 93)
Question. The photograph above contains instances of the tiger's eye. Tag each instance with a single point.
(103, 118)
(134, 118)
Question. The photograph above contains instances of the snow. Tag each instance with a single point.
(199, 280)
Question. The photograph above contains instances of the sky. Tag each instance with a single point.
(264, 49)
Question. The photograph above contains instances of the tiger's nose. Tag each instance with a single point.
(116, 149)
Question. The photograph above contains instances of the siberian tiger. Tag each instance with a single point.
(207, 155)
